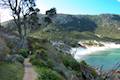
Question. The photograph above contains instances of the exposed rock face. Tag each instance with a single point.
(61, 46)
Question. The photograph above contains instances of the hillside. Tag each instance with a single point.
(50, 59)
(104, 25)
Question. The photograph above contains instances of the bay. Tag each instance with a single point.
(109, 58)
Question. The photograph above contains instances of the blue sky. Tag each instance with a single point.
(91, 7)
(81, 6)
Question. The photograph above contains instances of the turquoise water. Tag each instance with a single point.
(108, 59)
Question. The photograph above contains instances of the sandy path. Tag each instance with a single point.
(29, 73)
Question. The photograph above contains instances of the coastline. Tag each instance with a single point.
(80, 52)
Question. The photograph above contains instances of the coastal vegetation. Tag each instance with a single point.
(11, 71)
(51, 63)
(47, 39)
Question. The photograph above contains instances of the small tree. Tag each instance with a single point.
(21, 8)
(50, 14)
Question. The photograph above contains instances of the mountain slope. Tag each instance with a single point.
(104, 25)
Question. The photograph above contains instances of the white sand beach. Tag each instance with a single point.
(81, 52)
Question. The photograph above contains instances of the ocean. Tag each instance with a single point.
(107, 59)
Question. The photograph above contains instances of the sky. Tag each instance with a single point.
(91, 7)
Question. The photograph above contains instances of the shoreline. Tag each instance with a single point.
(80, 52)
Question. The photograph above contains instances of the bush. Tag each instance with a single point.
(2, 57)
(83, 63)
(49, 63)
(11, 71)
(15, 58)
(48, 74)
(38, 63)
(24, 52)
(91, 70)
(41, 54)
(70, 62)
(41, 62)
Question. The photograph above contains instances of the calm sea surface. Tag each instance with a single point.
(108, 59)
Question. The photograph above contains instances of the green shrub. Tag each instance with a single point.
(15, 58)
(41, 54)
(2, 57)
(10, 71)
(93, 72)
(48, 74)
(24, 52)
(49, 63)
(83, 63)
(70, 62)
(39, 63)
